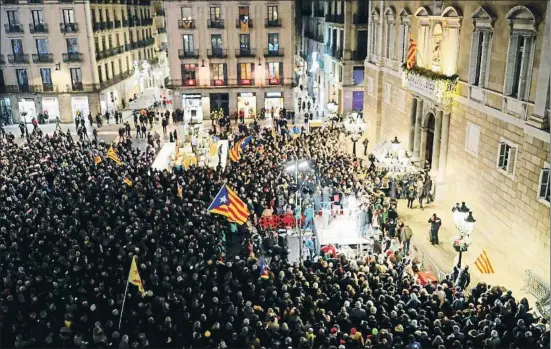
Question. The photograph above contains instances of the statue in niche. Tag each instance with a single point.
(436, 45)
(438, 7)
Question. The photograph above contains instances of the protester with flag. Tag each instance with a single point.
(263, 269)
(111, 154)
(235, 152)
(228, 204)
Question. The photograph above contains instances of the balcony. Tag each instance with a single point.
(77, 86)
(215, 24)
(38, 28)
(437, 87)
(186, 82)
(34, 1)
(43, 58)
(238, 23)
(98, 26)
(67, 28)
(13, 28)
(245, 82)
(161, 30)
(273, 53)
(360, 19)
(160, 12)
(147, 21)
(125, 23)
(184, 54)
(186, 23)
(319, 12)
(120, 49)
(272, 23)
(274, 81)
(306, 11)
(127, 47)
(245, 52)
(359, 55)
(149, 42)
(334, 18)
(217, 53)
(24, 88)
(109, 25)
(72, 57)
(117, 23)
(314, 36)
(19, 58)
(218, 82)
(47, 87)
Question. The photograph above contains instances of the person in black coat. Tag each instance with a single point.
(435, 223)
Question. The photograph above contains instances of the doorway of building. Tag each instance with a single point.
(430, 138)
(220, 101)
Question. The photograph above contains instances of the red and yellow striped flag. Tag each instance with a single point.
(134, 277)
(483, 263)
(412, 53)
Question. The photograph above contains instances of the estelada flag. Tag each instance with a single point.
(134, 277)
(127, 181)
(97, 157)
(228, 204)
(244, 19)
(412, 53)
(235, 152)
(113, 156)
(263, 269)
(483, 263)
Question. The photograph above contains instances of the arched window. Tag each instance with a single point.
(479, 62)
(374, 35)
(520, 57)
(404, 34)
(389, 33)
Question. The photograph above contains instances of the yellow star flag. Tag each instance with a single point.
(113, 156)
(134, 277)
(127, 181)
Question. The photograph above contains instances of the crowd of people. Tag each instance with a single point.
(70, 227)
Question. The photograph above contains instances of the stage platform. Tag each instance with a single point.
(342, 230)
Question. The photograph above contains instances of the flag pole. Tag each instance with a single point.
(123, 301)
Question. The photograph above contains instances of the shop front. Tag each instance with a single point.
(246, 104)
(50, 106)
(27, 106)
(79, 105)
(6, 114)
(192, 106)
(273, 100)
(220, 101)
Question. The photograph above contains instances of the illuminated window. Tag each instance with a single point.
(274, 73)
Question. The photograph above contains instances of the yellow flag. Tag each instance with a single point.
(127, 181)
(180, 191)
(113, 156)
(134, 277)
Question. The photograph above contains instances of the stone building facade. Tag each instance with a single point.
(61, 57)
(231, 56)
(476, 108)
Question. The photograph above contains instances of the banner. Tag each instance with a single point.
(244, 19)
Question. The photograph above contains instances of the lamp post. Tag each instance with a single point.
(464, 223)
(295, 166)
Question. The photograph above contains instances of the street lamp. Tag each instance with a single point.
(295, 166)
(395, 144)
(464, 223)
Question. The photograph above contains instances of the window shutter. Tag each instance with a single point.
(511, 160)
(252, 71)
(225, 73)
(238, 73)
(511, 60)
(475, 42)
(523, 90)
(281, 73)
(182, 71)
(502, 152)
(401, 39)
(484, 61)
(544, 182)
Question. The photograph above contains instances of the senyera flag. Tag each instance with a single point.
(228, 204)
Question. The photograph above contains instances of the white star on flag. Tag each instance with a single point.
(223, 199)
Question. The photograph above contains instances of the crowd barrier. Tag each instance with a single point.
(427, 264)
(538, 288)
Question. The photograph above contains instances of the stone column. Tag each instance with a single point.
(436, 142)
(412, 124)
(417, 139)
(444, 147)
